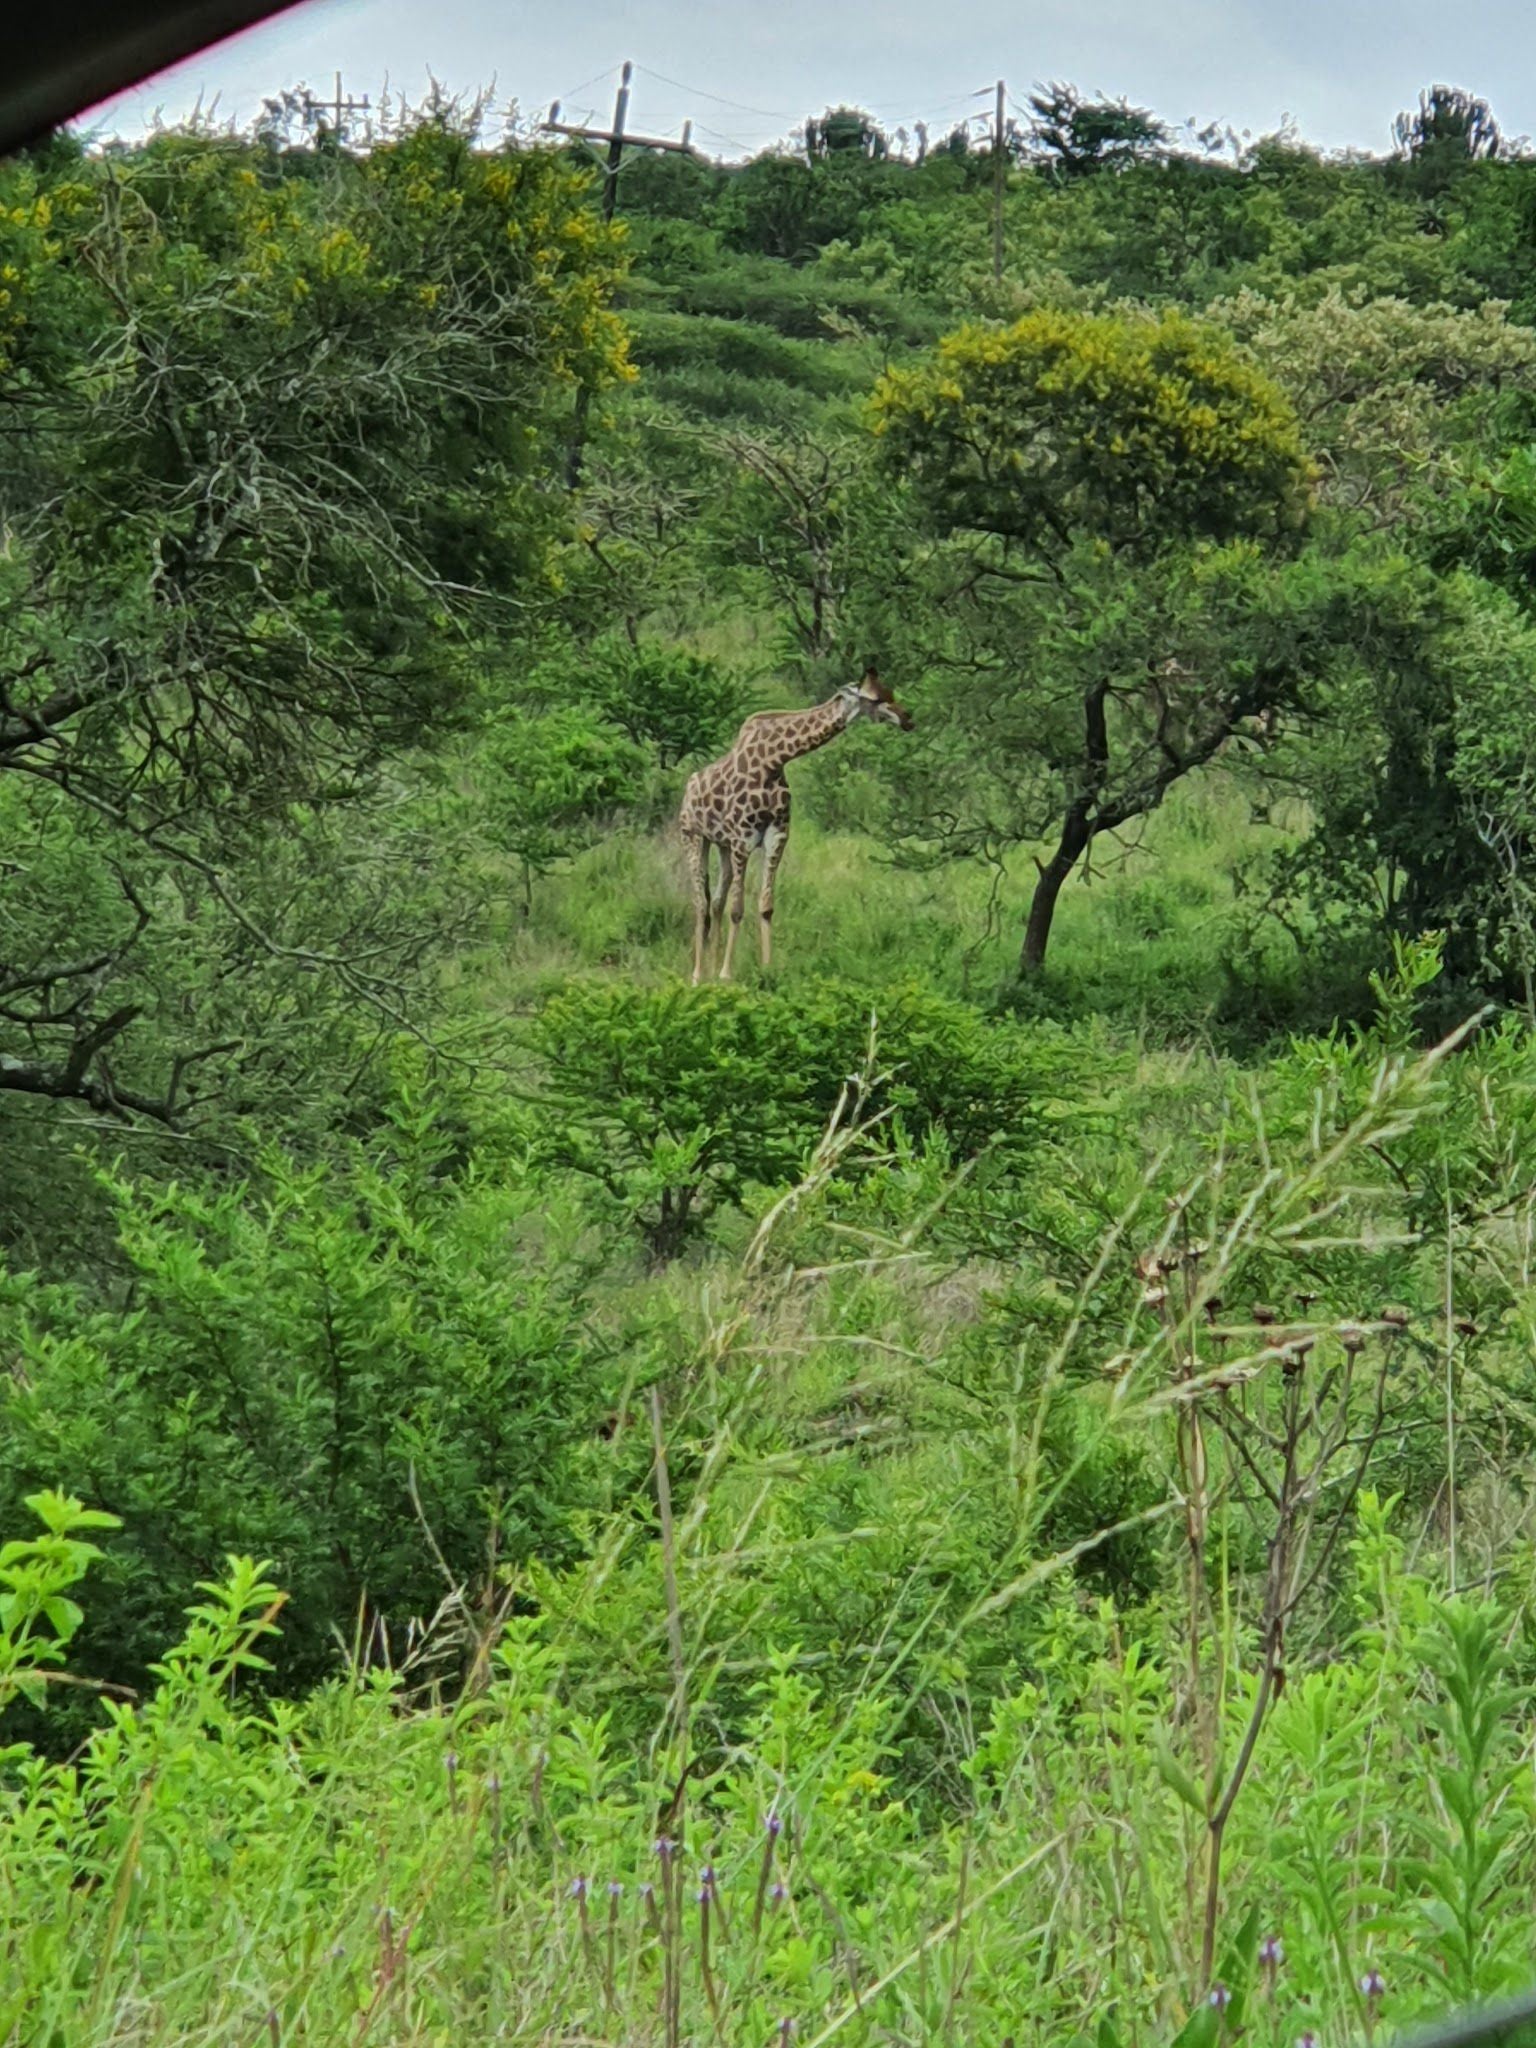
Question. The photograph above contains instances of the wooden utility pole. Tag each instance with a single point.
(999, 173)
(616, 137)
(616, 143)
(340, 107)
(612, 164)
(610, 201)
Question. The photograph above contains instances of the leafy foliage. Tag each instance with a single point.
(674, 705)
(678, 1101)
(276, 444)
(1066, 425)
(887, 1501)
(1078, 136)
(340, 1372)
(556, 778)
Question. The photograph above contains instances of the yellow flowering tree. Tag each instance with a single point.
(1069, 467)
(1065, 425)
(281, 428)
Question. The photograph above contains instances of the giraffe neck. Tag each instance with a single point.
(785, 735)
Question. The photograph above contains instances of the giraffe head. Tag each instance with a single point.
(869, 698)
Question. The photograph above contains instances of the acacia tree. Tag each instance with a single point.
(1449, 130)
(1066, 463)
(795, 517)
(1399, 402)
(1074, 136)
(277, 444)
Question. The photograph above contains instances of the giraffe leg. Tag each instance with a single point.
(738, 860)
(698, 874)
(775, 839)
(724, 889)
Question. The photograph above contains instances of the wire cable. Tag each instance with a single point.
(698, 92)
(735, 141)
(597, 77)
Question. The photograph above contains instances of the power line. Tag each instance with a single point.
(698, 92)
(596, 79)
(933, 118)
(735, 141)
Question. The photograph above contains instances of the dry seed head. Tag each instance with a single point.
(1464, 1326)
(1395, 1317)
(1264, 1315)
(1352, 1337)
(1154, 1297)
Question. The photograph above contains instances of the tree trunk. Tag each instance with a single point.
(1042, 909)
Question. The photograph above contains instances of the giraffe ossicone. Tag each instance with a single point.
(741, 802)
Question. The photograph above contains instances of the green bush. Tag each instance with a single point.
(349, 1370)
(674, 704)
(681, 706)
(551, 780)
(676, 1101)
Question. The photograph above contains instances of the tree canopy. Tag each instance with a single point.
(275, 463)
(1066, 426)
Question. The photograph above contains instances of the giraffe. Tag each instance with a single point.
(742, 802)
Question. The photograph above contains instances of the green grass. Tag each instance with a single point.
(859, 1606)
(1142, 937)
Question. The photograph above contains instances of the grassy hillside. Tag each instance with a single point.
(920, 1496)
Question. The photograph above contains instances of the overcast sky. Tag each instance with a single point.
(747, 73)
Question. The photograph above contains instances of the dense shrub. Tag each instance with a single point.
(350, 1370)
(674, 704)
(682, 706)
(676, 1101)
(551, 780)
